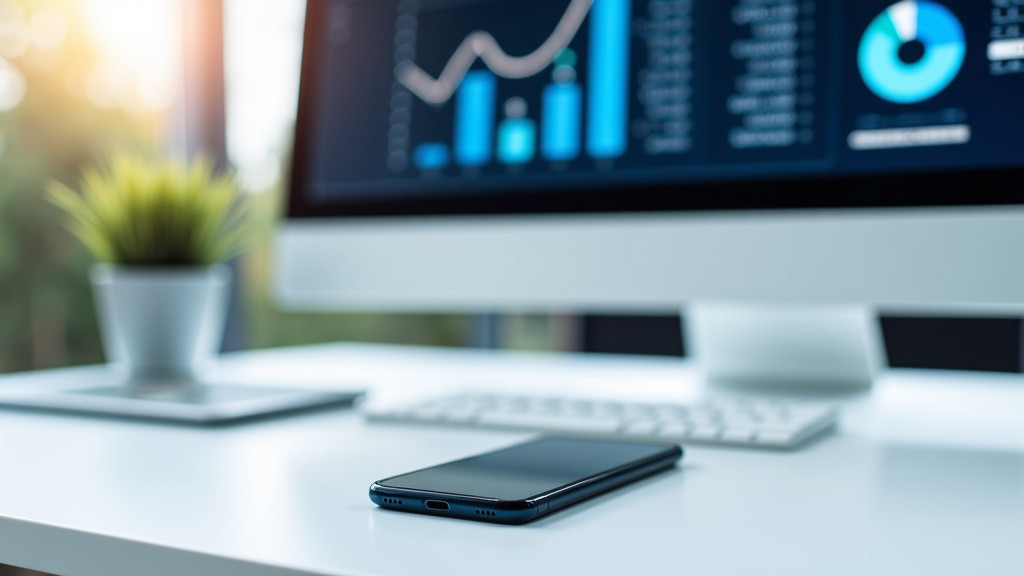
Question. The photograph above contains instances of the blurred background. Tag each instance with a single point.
(81, 78)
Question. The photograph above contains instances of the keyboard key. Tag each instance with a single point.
(634, 412)
(579, 409)
(556, 423)
(639, 428)
(743, 422)
(780, 438)
(461, 416)
(672, 431)
(738, 435)
(670, 413)
(704, 422)
(808, 415)
(427, 414)
(705, 433)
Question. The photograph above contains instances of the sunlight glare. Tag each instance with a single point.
(47, 29)
(14, 37)
(263, 48)
(140, 44)
(12, 86)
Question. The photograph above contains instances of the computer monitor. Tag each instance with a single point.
(817, 157)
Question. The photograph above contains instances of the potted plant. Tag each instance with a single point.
(160, 231)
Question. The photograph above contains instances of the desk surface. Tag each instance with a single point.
(924, 476)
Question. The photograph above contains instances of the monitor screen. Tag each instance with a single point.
(533, 106)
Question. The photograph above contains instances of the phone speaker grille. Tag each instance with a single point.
(484, 513)
(392, 501)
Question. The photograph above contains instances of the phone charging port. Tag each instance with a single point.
(437, 505)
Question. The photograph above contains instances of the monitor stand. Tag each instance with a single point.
(786, 346)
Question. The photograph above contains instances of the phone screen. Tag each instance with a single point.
(525, 470)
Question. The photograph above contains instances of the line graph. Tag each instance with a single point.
(482, 45)
(487, 109)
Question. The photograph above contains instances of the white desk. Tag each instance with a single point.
(925, 476)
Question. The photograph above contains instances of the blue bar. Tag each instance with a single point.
(608, 72)
(431, 156)
(474, 119)
(517, 141)
(560, 133)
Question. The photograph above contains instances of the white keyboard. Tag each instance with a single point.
(758, 424)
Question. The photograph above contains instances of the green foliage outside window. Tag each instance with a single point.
(46, 313)
(46, 307)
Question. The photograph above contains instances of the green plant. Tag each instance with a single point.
(140, 212)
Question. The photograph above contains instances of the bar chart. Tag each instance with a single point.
(479, 100)
(512, 111)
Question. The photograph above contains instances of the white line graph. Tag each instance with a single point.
(482, 45)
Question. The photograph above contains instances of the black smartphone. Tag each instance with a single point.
(518, 484)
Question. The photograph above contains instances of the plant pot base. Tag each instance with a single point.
(184, 401)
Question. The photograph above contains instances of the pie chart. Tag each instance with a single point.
(912, 51)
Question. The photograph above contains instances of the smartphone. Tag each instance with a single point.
(518, 484)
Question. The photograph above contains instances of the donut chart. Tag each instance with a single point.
(912, 51)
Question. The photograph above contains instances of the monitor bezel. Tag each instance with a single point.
(975, 187)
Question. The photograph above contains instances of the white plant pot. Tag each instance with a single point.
(161, 323)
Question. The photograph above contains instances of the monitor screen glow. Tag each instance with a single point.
(529, 106)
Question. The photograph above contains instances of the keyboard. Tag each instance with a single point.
(754, 424)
